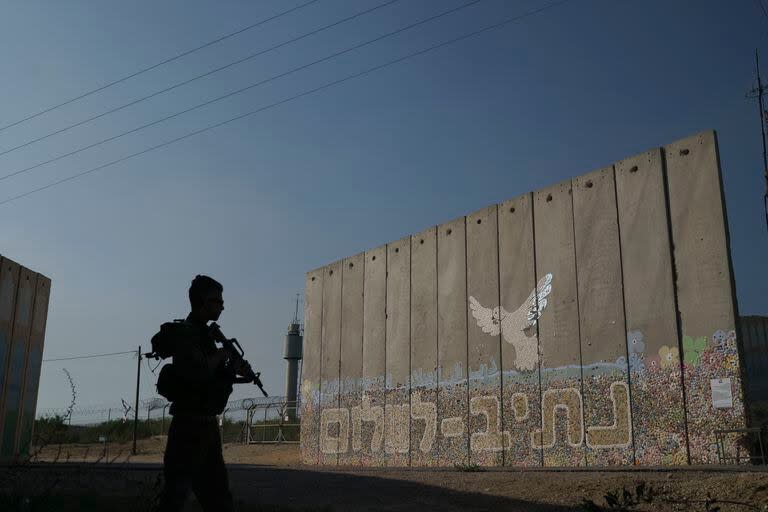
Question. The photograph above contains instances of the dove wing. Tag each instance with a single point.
(537, 300)
(487, 318)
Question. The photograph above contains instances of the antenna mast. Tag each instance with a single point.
(758, 93)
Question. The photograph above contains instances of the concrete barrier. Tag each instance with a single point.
(24, 297)
(590, 323)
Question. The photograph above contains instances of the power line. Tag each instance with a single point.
(295, 97)
(198, 77)
(155, 66)
(242, 90)
(762, 8)
(89, 356)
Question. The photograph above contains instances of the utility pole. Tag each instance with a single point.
(136, 406)
(758, 93)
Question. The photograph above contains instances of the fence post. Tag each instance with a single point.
(264, 430)
(222, 419)
(162, 425)
(136, 405)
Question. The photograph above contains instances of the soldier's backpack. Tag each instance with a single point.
(164, 345)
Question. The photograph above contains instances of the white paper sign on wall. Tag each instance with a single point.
(722, 398)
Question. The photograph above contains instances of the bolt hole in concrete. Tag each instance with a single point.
(684, 152)
(512, 210)
(479, 221)
(449, 232)
(397, 249)
(351, 265)
(589, 184)
(313, 278)
(633, 169)
(373, 258)
(549, 197)
(330, 273)
(421, 241)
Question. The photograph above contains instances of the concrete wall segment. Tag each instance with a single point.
(424, 349)
(310, 373)
(330, 429)
(659, 434)
(453, 405)
(559, 341)
(374, 358)
(707, 311)
(521, 392)
(9, 282)
(487, 439)
(397, 410)
(601, 321)
(14, 379)
(351, 356)
(34, 363)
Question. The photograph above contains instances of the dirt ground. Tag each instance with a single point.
(151, 450)
(270, 478)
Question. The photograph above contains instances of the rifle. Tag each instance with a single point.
(236, 354)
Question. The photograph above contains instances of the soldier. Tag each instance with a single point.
(202, 382)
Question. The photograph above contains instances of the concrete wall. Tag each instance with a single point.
(24, 296)
(591, 323)
(754, 333)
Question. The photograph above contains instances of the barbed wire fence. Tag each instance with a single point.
(249, 420)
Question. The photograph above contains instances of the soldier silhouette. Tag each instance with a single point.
(198, 384)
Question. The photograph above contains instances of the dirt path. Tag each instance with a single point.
(264, 476)
(151, 450)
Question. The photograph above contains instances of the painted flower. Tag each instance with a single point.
(692, 349)
(636, 363)
(731, 363)
(621, 362)
(653, 363)
(670, 356)
(718, 337)
(679, 458)
(635, 342)
(731, 337)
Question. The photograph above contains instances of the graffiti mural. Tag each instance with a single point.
(517, 326)
(340, 428)
(590, 323)
(711, 363)
(656, 378)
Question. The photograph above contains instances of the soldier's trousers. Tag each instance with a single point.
(193, 461)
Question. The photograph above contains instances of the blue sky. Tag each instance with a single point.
(258, 202)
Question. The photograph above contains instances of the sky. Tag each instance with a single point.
(258, 202)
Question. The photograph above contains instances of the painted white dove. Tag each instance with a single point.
(515, 327)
